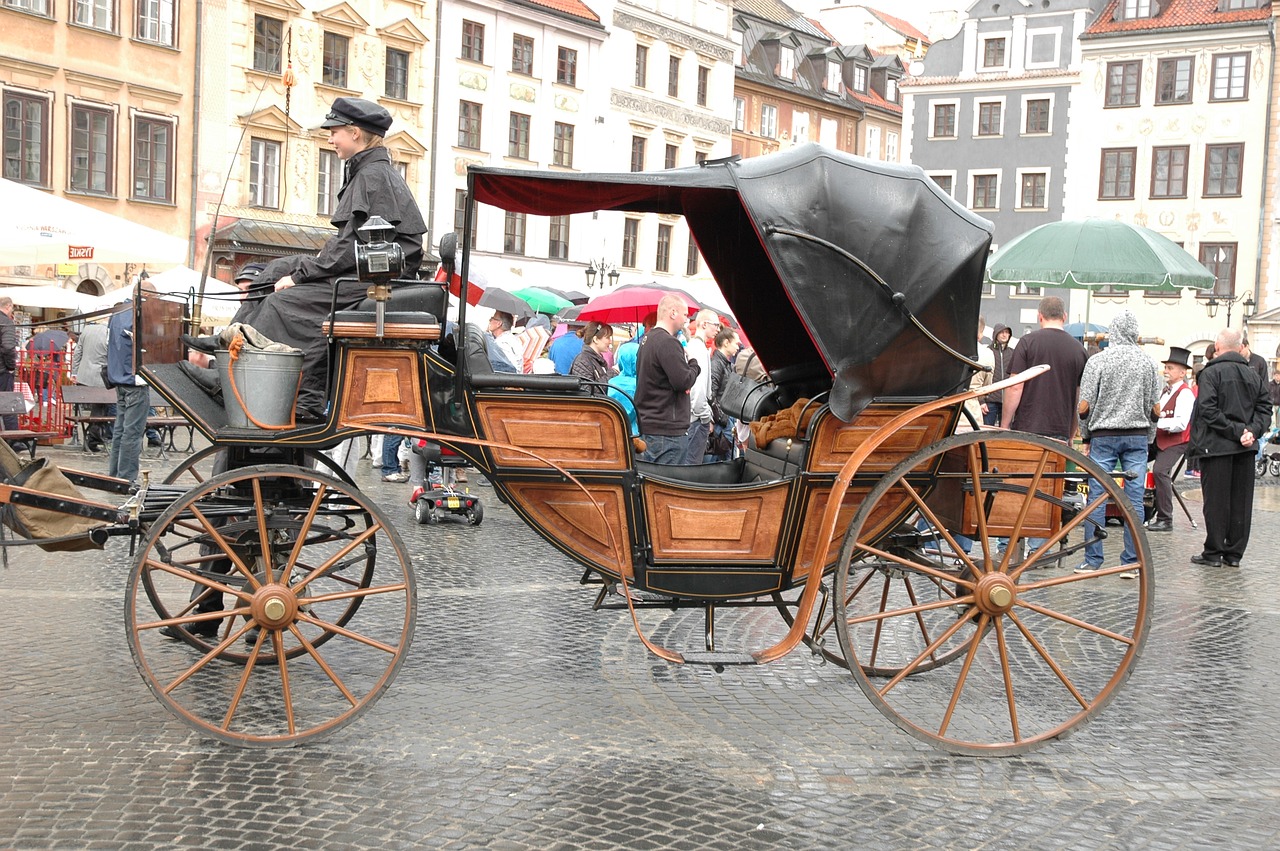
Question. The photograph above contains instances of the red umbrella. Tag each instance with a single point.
(629, 304)
(475, 288)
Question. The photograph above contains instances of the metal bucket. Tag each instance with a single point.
(267, 383)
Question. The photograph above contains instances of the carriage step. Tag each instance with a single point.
(718, 658)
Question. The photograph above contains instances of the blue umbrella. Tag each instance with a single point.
(1079, 329)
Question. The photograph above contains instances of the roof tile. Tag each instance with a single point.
(575, 8)
(899, 25)
(1177, 13)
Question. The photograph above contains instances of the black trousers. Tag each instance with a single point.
(1226, 483)
(1166, 460)
(10, 421)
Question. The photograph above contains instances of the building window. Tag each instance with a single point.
(567, 66)
(662, 260)
(333, 71)
(993, 52)
(513, 233)
(860, 78)
(460, 216)
(99, 14)
(1169, 171)
(642, 66)
(986, 192)
(26, 139)
(1220, 259)
(872, 150)
(704, 82)
(945, 182)
(989, 119)
(469, 115)
(38, 7)
(1037, 116)
(890, 145)
(1032, 194)
(522, 55)
(1173, 80)
(397, 76)
(1028, 290)
(1122, 83)
(1230, 77)
(691, 258)
(673, 76)
(1222, 169)
(669, 156)
(630, 242)
(637, 153)
(699, 157)
(268, 35)
(562, 145)
(769, 121)
(558, 242)
(834, 78)
(891, 89)
(92, 150)
(739, 114)
(473, 41)
(153, 145)
(155, 21)
(328, 182)
(1135, 9)
(264, 173)
(518, 136)
(944, 121)
(1116, 178)
(786, 63)
(1237, 5)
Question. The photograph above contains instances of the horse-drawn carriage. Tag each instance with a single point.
(933, 562)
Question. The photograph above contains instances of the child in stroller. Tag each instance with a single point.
(433, 471)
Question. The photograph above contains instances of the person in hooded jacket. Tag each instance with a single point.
(1001, 356)
(622, 387)
(1232, 411)
(1118, 392)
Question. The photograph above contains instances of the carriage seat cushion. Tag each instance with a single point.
(413, 304)
(717, 473)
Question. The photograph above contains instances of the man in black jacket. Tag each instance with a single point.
(1232, 411)
(664, 374)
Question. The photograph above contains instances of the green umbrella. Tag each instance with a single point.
(543, 301)
(1096, 253)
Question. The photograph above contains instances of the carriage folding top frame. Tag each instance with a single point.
(937, 555)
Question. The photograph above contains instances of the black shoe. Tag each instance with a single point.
(1160, 526)
(208, 380)
(1231, 562)
(204, 629)
(208, 345)
(308, 415)
(1207, 561)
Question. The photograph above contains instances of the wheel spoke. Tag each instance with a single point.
(234, 704)
(937, 524)
(1044, 654)
(286, 692)
(875, 638)
(329, 565)
(324, 666)
(906, 610)
(226, 548)
(1028, 500)
(911, 595)
(264, 542)
(196, 578)
(931, 649)
(333, 627)
(1007, 670)
(1047, 612)
(916, 566)
(964, 675)
(316, 500)
(188, 620)
(205, 659)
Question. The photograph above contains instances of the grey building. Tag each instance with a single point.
(985, 115)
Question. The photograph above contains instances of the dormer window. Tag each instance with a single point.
(833, 77)
(860, 78)
(786, 63)
(1130, 9)
(1236, 5)
(891, 89)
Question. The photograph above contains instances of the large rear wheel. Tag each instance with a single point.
(978, 649)
(318, 605)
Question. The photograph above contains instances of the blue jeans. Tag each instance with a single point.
(696, 438)
(391, 453)
(133, 402)
(664, 448)
(1130, 453)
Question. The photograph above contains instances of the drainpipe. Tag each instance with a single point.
(1266, 159)
(195, 137)
(434, 143)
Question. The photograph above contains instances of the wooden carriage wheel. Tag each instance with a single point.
(187, 473)
(290, 661)
(990, 653)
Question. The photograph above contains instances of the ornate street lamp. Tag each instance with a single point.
(1215, 301)
(603, 269)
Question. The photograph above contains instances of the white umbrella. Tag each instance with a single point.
(36, 227)
(50, 296)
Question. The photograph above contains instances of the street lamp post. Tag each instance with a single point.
(1211, 306)
(603, 269)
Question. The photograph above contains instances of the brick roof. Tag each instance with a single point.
(872, 99)
(899, 25)
(573, 8)
(1176, 13)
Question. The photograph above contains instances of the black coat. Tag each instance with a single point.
(1231, 397)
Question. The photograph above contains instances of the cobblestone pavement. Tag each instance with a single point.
(524, 720)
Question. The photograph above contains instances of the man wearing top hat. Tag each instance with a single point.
(303, 284)
(1173, 432)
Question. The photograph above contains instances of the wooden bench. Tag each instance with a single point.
(12, 404)
(78, 394)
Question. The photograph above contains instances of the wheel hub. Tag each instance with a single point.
(996, 593)
(274, 606)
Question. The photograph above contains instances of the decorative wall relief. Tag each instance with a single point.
(368, 63)
(460, 165)
(305, 47)
(1193, 222)
(474, 80)
(522, 92)
(1166, 218)
(568, 103)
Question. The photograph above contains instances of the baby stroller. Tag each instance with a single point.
(441, 495)
(1268, 458)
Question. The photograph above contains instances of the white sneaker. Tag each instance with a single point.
(1128, 574)
(1086, 568)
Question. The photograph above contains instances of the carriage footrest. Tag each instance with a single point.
(718, 658)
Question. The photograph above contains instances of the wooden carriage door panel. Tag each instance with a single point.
(575, 432)
(1044, 518)
(568, 517)
(835, 440)
(382, 385)
(687, 525)
(815, 505)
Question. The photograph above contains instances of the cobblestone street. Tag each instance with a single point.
(523, 719)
